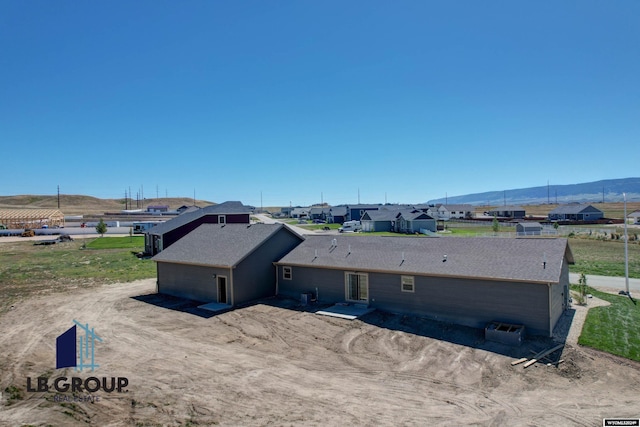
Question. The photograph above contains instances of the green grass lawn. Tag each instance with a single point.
(614, 328)
(321, 226)
(135, 242)
(604, 257)
(26, 269)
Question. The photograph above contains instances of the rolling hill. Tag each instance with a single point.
(82, 205)
(609, 190)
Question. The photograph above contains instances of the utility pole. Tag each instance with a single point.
(126, 206)
(58, 196)
(131, 198)
(548, 199)
(626, 246)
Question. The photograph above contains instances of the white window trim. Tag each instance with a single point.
(284, 273)
(413, 284)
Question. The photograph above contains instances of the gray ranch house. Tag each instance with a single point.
(381, 220)
(399, 221)
(413, 221)
(225, 263)
(337, 214)
(576, 212)
(164, 235)
(515, 212)
(471, 281)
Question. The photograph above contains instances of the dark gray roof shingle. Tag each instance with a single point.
(573, 209)
(186, 217)
(490, 258)
(217, 245)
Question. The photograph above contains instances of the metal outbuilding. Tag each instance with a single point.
(31, 218)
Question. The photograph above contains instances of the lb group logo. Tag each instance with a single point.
(76, 348)
(71, 355)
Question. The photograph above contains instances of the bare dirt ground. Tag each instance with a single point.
(273, 363)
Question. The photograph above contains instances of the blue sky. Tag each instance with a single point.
(275, 102)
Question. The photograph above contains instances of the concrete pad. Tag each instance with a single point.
(346, 311)
(216, 307)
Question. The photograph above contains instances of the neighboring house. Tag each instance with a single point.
(337, 215)
(471, 281)
(399, 221)
(225, 263)
(301, 213)
(635, 217)
(355, 212)
(381, 220)
(528, 229)
(576, 212)
(514, 212)
(412, 221)
(319, 213)
(164, 235)
(157, 208)
(446, 212)
(286, 211)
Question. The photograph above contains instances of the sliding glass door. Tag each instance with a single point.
(357, 287)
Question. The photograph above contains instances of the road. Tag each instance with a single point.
(300, 230)
(608, 282)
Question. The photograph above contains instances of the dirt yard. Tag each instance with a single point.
(274, 363)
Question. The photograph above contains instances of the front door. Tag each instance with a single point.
(357, 287)
(222, 289)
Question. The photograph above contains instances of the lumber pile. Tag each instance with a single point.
(541, 356)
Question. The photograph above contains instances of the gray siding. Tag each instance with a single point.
(376, 226)
(560, 294)
(429, 224)
(466, 302)
(255, 276)
(330, 284)
(190, 281)
(462, 301)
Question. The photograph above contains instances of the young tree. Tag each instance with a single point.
(582, 281)
(495, 225)
(101, 228)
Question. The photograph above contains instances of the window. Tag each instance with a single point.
(287, 273)
(222, 219)
(408, 284)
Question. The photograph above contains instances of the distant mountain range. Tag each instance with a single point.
(608, 190)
